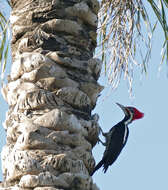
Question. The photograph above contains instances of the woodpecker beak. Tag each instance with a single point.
(123, 108)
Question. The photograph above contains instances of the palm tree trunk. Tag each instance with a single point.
(51, 91)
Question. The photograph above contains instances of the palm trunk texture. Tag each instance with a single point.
(51, 91)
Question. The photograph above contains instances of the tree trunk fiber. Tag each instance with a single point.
(51, 91)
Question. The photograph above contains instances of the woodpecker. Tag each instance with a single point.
(117, 137)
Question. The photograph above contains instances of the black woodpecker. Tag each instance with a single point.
(117, 137)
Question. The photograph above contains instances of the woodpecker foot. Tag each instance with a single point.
(104, 134)
(103, 143)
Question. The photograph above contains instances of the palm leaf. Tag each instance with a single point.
(4, 42)
(166, 3)
(161, 16)
(120, 29)
(124, 39)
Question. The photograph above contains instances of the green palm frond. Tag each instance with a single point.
(4, 42)
(160, 13)
(8, 1)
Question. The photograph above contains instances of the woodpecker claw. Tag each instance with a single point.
(104, 134)
(101, 130)
(99, 140)
(103, 143)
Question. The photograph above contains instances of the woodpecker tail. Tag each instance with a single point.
(97, 166)
(105, 168)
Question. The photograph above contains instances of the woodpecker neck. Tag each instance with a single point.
(128, 119)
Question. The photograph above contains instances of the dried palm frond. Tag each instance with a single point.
(123, 39)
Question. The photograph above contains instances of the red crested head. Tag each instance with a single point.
(131, 113)
(137, 114)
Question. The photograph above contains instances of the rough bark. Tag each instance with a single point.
(51, 91)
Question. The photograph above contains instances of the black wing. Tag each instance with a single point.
(116, 140)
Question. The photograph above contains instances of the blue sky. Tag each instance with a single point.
(143, 162)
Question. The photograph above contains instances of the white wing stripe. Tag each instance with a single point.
(125, 134)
